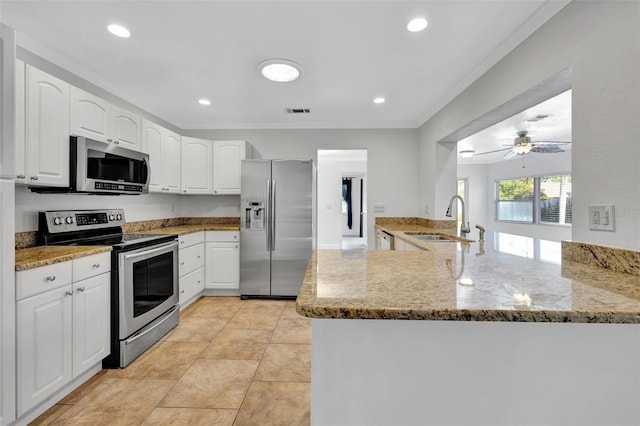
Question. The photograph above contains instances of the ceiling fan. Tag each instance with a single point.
(523, 145)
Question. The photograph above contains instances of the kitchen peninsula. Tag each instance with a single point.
(500, 332)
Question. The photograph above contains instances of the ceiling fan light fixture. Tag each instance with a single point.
(280, 70)
(522, 149)
(468, 153)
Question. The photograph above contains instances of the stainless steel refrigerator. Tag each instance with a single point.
(276, 226)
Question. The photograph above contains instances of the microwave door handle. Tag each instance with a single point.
(152, 251)
(148, 165)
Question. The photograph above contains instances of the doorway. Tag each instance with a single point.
(342, 189)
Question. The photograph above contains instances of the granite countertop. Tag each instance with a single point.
(187, 229)
(505, 278)
(34, 257)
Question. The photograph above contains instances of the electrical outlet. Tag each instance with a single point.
(601, 218)
(426, 209)
(378, 208)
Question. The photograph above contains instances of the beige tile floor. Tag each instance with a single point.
(228, 362)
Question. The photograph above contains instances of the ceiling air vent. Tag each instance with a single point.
(297, 110)
(538, 118)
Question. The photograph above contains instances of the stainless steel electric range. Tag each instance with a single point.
(144, 276)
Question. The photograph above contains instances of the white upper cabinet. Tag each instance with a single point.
(125, 128)
(227, 157)
(197, 166)
(89, 115)
(97, 119)
(21, 143)
(164, 149)
(47, 129)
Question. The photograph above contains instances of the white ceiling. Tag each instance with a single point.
(351, 52)
(556, 127)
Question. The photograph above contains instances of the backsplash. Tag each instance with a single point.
(29, 238)
(614, 259)
(430, 223)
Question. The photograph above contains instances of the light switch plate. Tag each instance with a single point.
(378, 208)
(601, 218)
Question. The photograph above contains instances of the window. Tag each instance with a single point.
(514, 200)
(555, 199)
(542, 199)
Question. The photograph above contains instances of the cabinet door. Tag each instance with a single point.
(227, 157)
(197, 166)
(190, 259)
(21, 159)
(43, 346)
(90, 322)
(223, 265)
(152, 143)
(125, 128)
(89, 115)
(47, 129)
(172, 148)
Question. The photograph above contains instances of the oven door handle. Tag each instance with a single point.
(152, 251)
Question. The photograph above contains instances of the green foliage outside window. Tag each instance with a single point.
(516, 189)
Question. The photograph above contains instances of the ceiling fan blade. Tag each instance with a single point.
(552, 142)
(547, 149)
(491, 152)
(510, 154)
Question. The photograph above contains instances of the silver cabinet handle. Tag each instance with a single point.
(109, 140)
(184, 190)
(51, 278)
(80, 289)
(96, 265)
(198, 257)
(198, 281)
(68, 293)
(181, 263)
(34, 177)
(20, 176)
(236, 246)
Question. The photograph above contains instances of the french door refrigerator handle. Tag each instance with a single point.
(273, 215)
(267, 214)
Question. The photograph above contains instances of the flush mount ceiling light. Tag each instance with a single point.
(467, 153)
(280, 70)
(205, 102)
(379, 100)
(119, 30)
(417, 25)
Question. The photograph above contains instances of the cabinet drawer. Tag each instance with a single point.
(90, 266)
(190, 285)
(38, 280)
(230, 236)
(190, 259)
(193, 238)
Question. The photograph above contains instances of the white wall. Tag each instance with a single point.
(482, 178)
(392, 158)
(600, 42)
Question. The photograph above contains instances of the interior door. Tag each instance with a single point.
(292, 225)
(255, 254)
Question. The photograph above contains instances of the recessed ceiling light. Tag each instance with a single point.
(119, 30)
(417, 24)
(379, 100)
(204, 101)
(467, 153)
(280, 70)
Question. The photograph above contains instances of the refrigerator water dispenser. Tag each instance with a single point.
(254, 215)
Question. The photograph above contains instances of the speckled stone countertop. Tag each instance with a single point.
(187, 229)
(505, 278)
(35, 257)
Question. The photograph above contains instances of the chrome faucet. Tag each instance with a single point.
(464, 227)
(481, 232)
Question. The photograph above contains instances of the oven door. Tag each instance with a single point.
(148, 285)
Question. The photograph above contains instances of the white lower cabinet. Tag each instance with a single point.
(44, 331)
(190, 267)
(62, 327)
(223, 260)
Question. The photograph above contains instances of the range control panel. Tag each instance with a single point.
(76, 220)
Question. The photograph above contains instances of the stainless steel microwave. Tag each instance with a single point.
(101, 168)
